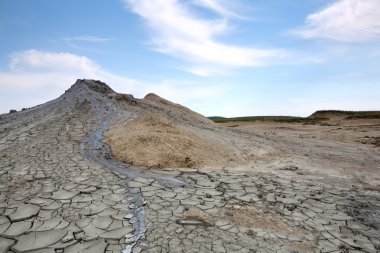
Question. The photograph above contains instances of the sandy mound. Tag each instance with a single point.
(155, 141)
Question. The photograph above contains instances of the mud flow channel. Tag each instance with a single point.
(94, 150)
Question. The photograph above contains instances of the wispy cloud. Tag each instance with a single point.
(178, 31)
(41, 76)
(344, 20)
(88, 38)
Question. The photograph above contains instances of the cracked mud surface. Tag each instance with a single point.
(61, 191)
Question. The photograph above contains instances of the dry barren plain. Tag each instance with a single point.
(97, 171)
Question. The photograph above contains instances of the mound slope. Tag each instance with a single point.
(184, 111)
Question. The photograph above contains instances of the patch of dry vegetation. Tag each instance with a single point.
(318, 116)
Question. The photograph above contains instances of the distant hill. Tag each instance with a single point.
(346, 114)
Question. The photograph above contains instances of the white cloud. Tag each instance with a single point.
(344, 20)
(176, 30)
(39, 76)
(42, 76)
(54, 68)
(206, 71)
(34, 60)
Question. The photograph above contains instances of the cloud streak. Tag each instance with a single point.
(218, 7)
(177, 31)
(345, 21)
(88, 38)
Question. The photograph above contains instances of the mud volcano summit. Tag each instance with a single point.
(98, 171)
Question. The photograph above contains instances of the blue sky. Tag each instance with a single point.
(218, 57)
